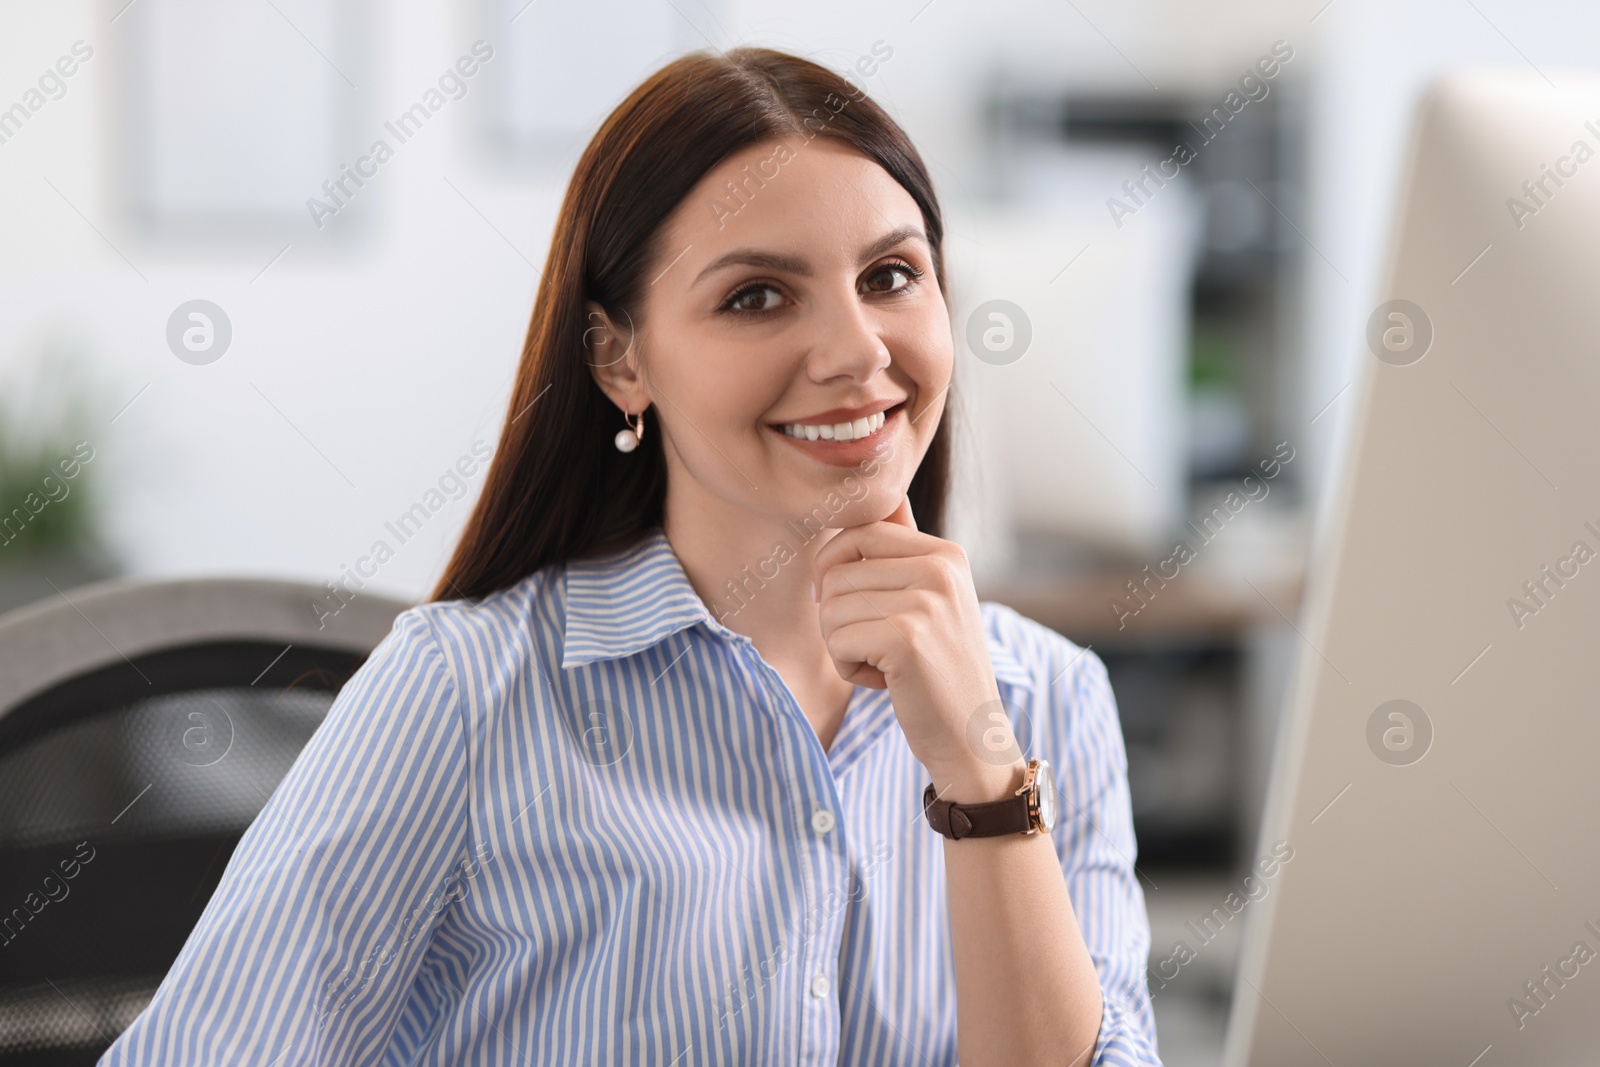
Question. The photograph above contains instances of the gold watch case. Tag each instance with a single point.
(1039, 785)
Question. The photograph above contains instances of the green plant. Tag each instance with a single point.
(48, 481)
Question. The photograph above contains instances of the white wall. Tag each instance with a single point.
(361, 369)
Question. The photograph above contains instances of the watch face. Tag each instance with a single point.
(1046, 785)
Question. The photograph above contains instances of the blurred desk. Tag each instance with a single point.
(1189, 606)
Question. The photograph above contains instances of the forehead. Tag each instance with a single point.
(820, 195)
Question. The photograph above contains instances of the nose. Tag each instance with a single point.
(846, 342)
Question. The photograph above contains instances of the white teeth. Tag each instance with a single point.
(839, 431)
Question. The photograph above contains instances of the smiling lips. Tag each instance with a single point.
(837, 431)
(848, 441)
(841, 424)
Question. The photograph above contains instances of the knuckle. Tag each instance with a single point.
(914, 627)
(947, 575)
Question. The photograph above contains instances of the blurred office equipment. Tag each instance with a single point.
(143, 726)
(1155, 382)
(1435, 776)
(1084, 418)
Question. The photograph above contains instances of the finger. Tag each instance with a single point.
(862, 642)
(901, 611)
(871, 541)
(865, 675)
(877, 574)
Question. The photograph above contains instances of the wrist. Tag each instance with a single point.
(976, 781)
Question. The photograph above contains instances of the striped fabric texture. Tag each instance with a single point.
(582, 821)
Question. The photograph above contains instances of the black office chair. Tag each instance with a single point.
(142, 727)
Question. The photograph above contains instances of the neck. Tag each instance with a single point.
(754, 575)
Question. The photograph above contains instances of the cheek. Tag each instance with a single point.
(926, 356)
(715, 391)
(926, 349)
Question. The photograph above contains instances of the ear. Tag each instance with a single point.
(609, 351)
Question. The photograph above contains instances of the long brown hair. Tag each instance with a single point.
(557, 488)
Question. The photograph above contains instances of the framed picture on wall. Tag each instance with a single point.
(568, 64)
(228, 117)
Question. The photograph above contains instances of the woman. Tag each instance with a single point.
(680, 765)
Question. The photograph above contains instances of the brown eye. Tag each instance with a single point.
(891, 278)
(754, 298)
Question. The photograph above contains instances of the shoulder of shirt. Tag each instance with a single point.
(487, 642)
(1037, 649)
(1074, 715)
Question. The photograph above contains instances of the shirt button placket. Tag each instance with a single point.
(819, 947)
(823, 952)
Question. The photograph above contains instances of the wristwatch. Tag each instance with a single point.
(1030, 810)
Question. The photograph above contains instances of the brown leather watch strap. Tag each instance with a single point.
(991, 819)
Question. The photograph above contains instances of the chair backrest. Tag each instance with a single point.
(143, 726)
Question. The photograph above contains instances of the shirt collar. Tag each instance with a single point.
(626, 602)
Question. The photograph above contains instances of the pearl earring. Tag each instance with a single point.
(628, 440)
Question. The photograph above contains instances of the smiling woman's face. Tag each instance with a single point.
(808, 308)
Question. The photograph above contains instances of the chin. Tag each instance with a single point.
(843, 505)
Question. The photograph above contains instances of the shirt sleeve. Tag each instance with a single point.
(309, 946)
(1094, 829)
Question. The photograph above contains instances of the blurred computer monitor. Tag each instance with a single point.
(1436, 782)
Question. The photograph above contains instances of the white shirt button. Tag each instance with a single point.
(819, 986)
(822, 820)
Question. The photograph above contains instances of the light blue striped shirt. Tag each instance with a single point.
(582, 821)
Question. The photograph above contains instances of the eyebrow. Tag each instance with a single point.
(752, 257)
